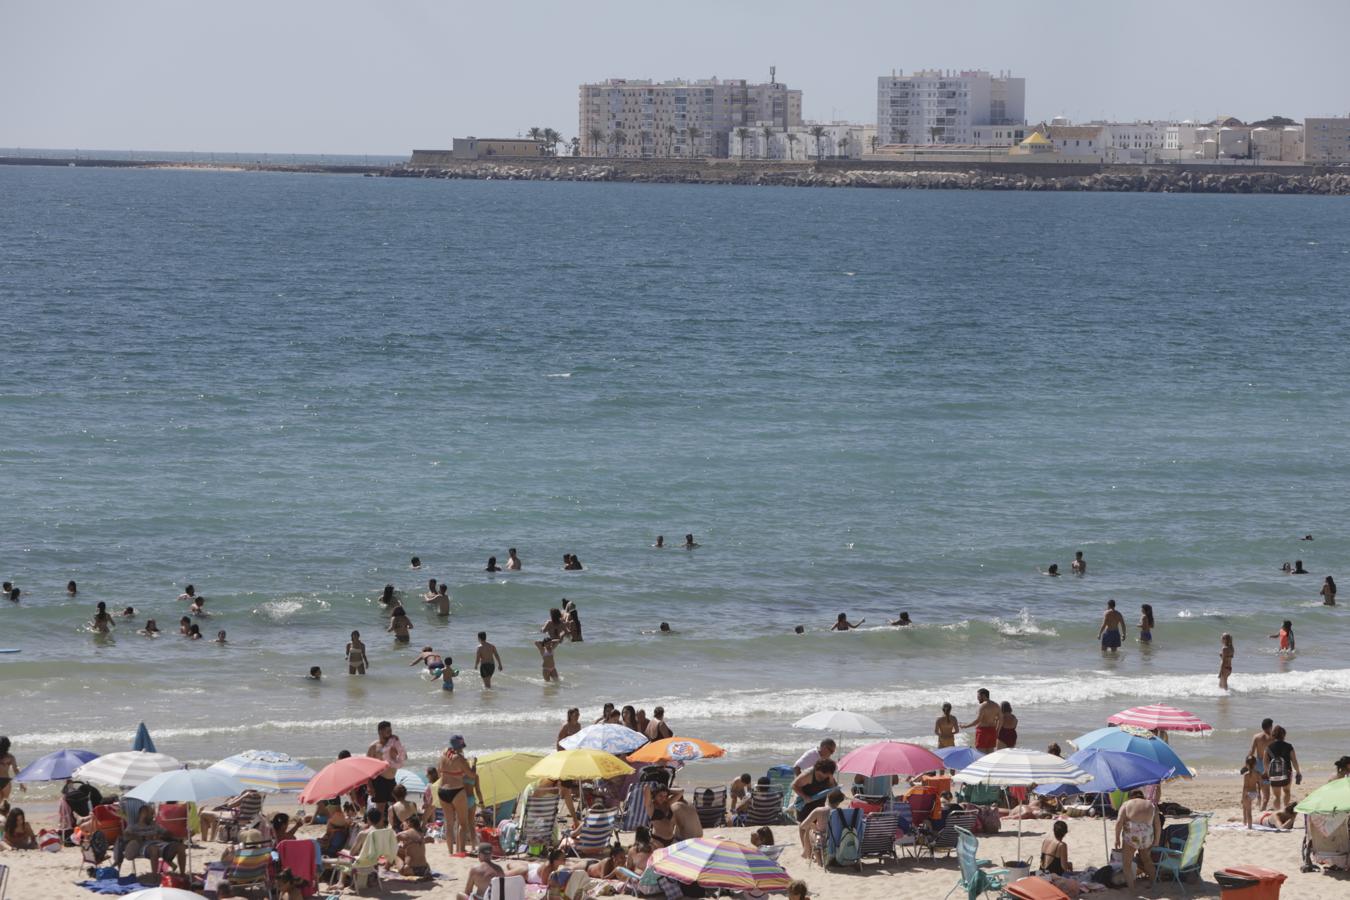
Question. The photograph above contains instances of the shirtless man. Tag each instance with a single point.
(1260, 741)
(657, 729)
(1112, 630)
(487, 660)
(356, 655)
(1138, 830)
(481, 875)
(512, 561)
(572, 726)
(433, 660)
(690, 543)
(441, 600)
(1079, 565)
(986, 722)
(389, 748)
(812, 828)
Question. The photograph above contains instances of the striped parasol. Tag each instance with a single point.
(125, 769)
(1016, 766)
(266, 770)
(723, 864)
(1160, 718)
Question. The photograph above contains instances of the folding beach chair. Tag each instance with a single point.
(766, 807)
(973, 878)
(879, 832)
(597, 833)
(905, 836)
(635, 812)
(1180, 864)
(4, 880)
(843, 836)
(251, 869)
(947, 839)
(711, 806)
(506, 888)
(379, 846)
(539, 824)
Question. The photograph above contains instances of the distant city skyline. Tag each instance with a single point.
(343, 76)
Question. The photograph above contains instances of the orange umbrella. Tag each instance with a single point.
(337, 778)
(676, 749)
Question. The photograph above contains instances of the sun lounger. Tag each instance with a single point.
(711, 806)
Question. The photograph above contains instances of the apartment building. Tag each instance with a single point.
(944, 107)
(673, 119)
(1326, 140)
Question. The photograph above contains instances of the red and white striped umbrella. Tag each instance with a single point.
(1160, 717)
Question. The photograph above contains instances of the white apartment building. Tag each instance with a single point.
(943, 107)
(673, 119)
(838, 140)
(1326, 140)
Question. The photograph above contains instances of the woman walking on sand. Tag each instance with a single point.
(1225, 660)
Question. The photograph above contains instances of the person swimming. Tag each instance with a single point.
(690, 543)
(127, 613)
(903, 620)
(189, 593)
(220, 637)
(417, 562)
(430, 658)
(843, 624)
(1053, 571)
(71, 588)
(800, 629)
(492, 565)
(198, 607)
(387, 597)
(315, 673)
(150, 629)
(195, 633)
(660, 542)
(1298, 568)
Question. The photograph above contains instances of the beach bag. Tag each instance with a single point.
(49, 841)
(847, 852)
(491, 836)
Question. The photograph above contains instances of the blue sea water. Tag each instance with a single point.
(281, 387)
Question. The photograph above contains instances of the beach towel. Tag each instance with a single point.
(128, 884)
(1238, 826)
(301, 857)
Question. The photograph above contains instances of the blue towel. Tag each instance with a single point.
(127, 884)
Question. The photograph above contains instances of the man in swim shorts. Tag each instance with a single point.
(389, 748)
(487, 660)
(1138, 830)
(986, 723)
(1112, 630)
(1260, 741)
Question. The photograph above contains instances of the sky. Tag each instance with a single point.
(387, 76)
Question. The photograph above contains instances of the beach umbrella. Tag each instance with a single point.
(840, 721)
(163, 893)
(579, 765)
(411, 780)
(1160, 717)
(265, 770)
(1015, 766)
(142, 741)
(125, 769)
(337, 778)
(56, 766)
(1332, 797)
(501, 775)
(957, 757)
(1129, 741)
(187, 786)
(890, 758)
(615, 739)
(676, 749)
(1111, 770)
(720, 864)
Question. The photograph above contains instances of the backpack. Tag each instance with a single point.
(1278, 770)
(847, 851)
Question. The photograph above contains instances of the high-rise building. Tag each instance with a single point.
(942, 107)
(673, 119)
(1326, 140)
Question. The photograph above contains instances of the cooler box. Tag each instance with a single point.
(1249, 883)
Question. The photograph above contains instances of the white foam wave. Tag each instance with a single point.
(1023, 626)
(1210, 613)
(559, 375)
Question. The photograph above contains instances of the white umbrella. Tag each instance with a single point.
(840, 721)
(1015, 767)
(163, 893)
(125, 769)
(611, 738)
(187, 786)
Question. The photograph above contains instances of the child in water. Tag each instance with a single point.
(1286, 636)
(448, 673)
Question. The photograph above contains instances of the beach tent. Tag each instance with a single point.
(1326, 825)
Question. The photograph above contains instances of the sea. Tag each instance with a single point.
(279, 388)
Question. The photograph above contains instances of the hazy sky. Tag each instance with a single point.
(342, 76)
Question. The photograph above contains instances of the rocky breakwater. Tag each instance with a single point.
(988, 178)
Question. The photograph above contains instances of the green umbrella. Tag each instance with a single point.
(1333, 797)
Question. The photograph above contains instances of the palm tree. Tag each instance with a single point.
(536, 134)
(694, 134)
(575, 144)
(818, 132)
(874, 141)
(670, 140)
(768, 140)
(743, 135)
(619, 138)
(791, 144)
(843, 145)
(551, 139)
(597, 137)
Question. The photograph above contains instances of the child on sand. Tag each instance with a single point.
(1286, 636)
(1251, 789)
(1225, 660)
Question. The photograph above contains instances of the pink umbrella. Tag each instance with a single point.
(1161, 718)
(337, 778)
(891, 758)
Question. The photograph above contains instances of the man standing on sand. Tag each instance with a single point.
(1138, 831)
(479, 880)
(1260, 742)
(987, 721)
(657, 729)
(487, 660)
(812, 756)
(389, 748)
(1112, 631)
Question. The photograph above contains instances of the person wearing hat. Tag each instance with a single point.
(480, 876)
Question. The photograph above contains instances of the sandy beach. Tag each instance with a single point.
(36, 875)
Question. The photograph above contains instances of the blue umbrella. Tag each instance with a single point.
(143, 741)
(56, 766)
(1138, 744)
(958, 757)
(610, 738)
(1111, 770)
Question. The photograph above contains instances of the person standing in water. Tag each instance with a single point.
(689, 542)
(546, 648)
(1225, 660)
(356, 655)
(102, 622)
(487, 660)
(1286, 636)
(512, 561)
(1146, 624)
(1329, 592)
(843, 624)
(400, 625)
(1079, 565)
(492, 565)
(1112, 630)
(946, 727)
(441, 600)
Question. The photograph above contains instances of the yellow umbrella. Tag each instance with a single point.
(502, 775)
(576, 765)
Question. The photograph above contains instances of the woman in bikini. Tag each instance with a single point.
(1007, 727)
(453, 769)
(9, 769)
(356, 655)
(946, 727)
(1146, 623)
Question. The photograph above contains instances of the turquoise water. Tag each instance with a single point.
(280, 388)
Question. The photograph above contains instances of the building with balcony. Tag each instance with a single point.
(1326, 140)
(945, 107)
